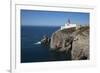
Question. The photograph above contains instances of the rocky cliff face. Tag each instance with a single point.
(72, 41)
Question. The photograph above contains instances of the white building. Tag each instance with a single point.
(68, 25)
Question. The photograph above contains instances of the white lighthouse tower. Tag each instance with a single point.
(68, 25)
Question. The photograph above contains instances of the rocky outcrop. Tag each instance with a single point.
(74, 41)
(45, 41)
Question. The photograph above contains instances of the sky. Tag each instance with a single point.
(52, 18)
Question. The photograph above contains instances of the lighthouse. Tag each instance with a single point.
(68, 25)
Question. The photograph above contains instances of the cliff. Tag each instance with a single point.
(73, 41)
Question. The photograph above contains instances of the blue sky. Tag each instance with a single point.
(52, 18)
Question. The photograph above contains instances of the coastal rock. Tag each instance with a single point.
(74, 41)
(45, 41)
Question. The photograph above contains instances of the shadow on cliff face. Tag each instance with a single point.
(57, 56)
(64, 54)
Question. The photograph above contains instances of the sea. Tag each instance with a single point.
(31, 52)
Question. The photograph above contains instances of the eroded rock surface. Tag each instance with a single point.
(74, 41)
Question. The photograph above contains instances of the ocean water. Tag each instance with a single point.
(31, 52)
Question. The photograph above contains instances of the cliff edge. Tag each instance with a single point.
(74, 41)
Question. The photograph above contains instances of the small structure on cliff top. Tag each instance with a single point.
(68, 25)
